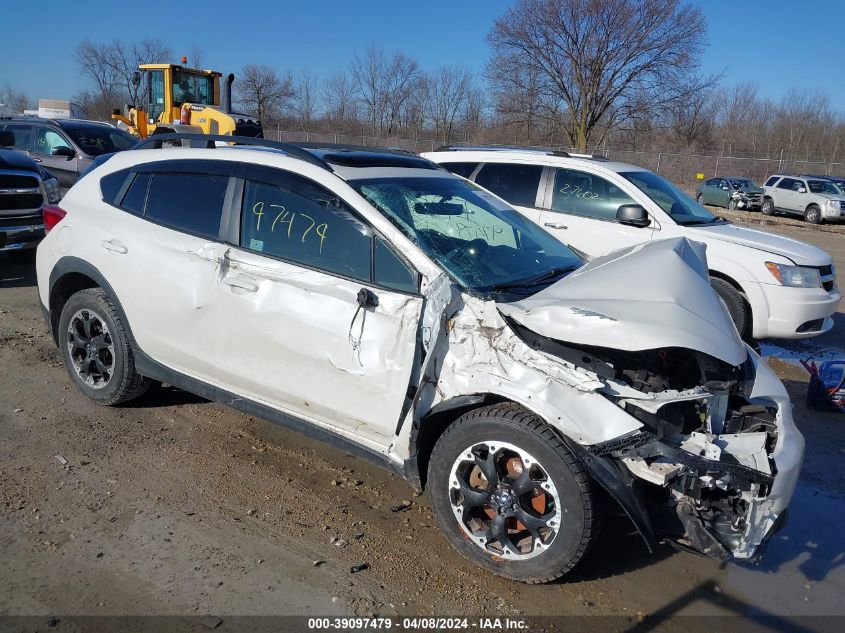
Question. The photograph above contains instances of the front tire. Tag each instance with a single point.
(700, 199)
(510, 496)
(732, 204)
(95, 349)
(735, 302)
(768, 207)
(813, 215)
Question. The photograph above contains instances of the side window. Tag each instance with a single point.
(299, 221)
(187, 202)
(462, 169)
(797, 185)
(724, 184)
(771, 181)
(22, 133)
(786, 183)
(390, 271)
(155, 93)
(111, 184)
(136, 195)
(46, 139)
(585, 194)
(515, 183)
(713, 182)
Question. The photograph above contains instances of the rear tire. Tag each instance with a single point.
(95, 348)
(736, 304)
(522, 453)
(768, 207)
(813, 215)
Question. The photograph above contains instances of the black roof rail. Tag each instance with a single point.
(209, 141)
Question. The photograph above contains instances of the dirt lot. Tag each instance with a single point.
(178, 506)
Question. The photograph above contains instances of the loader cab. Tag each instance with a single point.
(168, 86)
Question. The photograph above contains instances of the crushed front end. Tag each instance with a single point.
(717, 459)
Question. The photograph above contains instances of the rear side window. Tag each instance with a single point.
(296, 220)
(786, 183)
(136, 195)
(515, 183)
(462, 169)
(187, 202)
(580, 193)
(713, 182)
(23, 135)
(110, 185)
(771, 181)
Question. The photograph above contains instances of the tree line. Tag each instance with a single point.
(583, 74)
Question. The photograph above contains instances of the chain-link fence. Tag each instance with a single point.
(687, 170)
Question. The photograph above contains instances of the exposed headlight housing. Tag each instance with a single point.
(795, 276)
(833, 204)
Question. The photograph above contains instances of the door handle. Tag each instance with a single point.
(242, 283)
(555, 225)
(114, 246)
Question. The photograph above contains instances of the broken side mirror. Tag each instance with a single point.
(63, 150)
(802, 190)
(632, 215)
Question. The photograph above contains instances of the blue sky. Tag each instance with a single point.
(780, 44)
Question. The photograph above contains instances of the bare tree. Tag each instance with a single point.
(14, 100)
(448, 92)
(110, 66)
(339, 100)
(305, 99)
(384, 84)
(591, 56)
(197, 57)
(261, 91)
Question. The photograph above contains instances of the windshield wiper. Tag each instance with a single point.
(535, 281)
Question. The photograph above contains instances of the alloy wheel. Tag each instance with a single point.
(504, 500)
(91, 348)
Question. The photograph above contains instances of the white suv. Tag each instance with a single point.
(378, 302)
(773, 286)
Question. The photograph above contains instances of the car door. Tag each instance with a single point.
(786, 194)
(322, 313)
(519, 184)
(162, 259)
(64, 166)
(580, 210)
(723, 193)
(707, 190)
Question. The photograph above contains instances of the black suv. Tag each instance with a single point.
(25, 187)
(65, 146)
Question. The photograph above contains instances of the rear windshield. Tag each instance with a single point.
(100, 139)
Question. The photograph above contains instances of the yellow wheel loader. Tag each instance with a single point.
(180, 99)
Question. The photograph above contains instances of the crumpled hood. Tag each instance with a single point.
(799, 252)
(648, 296)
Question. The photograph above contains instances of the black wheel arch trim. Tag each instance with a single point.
(604, 473)
(73, 265)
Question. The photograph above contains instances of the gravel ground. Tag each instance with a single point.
(178, 506)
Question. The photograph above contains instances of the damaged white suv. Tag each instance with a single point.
(380, 303)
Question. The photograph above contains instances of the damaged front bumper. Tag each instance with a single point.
(723, 487)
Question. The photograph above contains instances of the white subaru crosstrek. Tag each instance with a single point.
(773, 286)
(378, 302)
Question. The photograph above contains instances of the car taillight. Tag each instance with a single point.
(52, 214)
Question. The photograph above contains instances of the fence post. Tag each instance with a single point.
(657, 169)
(716, 171)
